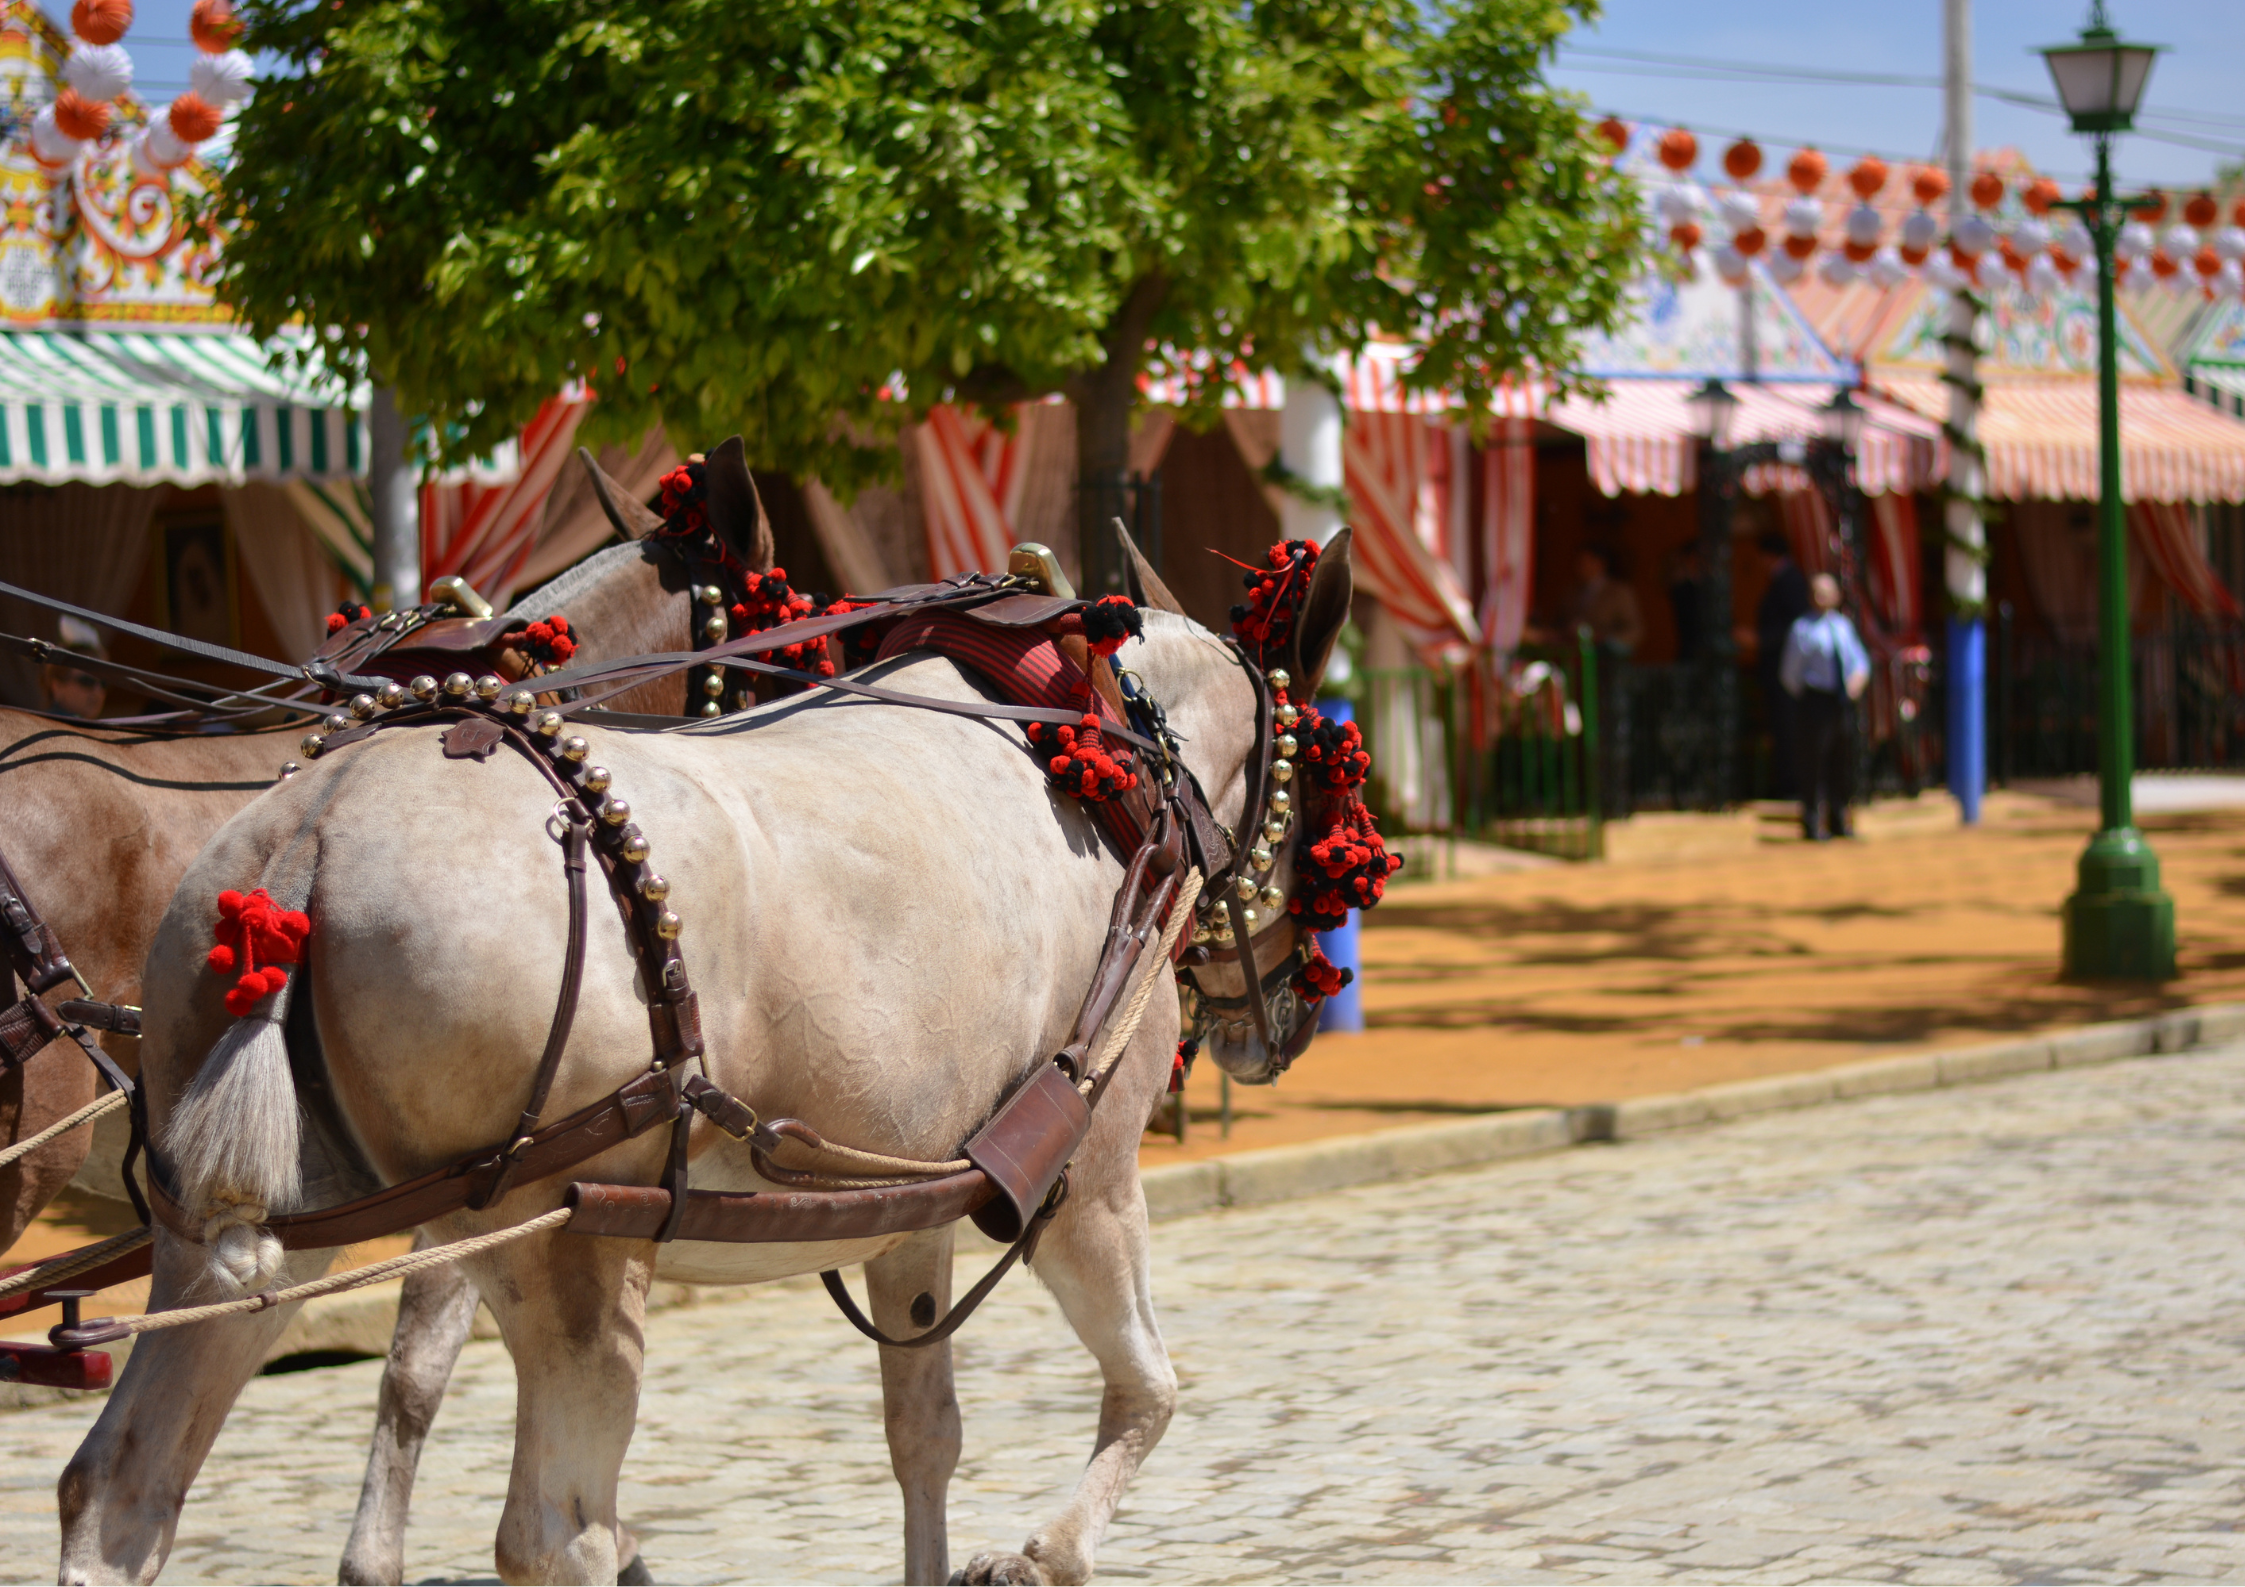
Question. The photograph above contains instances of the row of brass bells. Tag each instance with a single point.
(360, 708)
(1278, 808)
(611, 810)
(716, 630)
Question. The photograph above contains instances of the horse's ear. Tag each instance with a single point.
(1146, 587)
(736, 512)
(1323, 612)
(633, 519)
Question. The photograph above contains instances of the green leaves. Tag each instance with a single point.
(808, 219)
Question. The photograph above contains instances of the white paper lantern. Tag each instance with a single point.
(2229, 242)
(2228, 283)
(1837, 269)
(1803, 216)
(49, 142)
(2180, 241)
(1676, 205)
(2073, 238)
(157, 150)
(1942, 274)
(1974, 235)
(1864, 225)
(2030, 237)
(221, 79)
(1784, 269)
(99, 71)
(2042, 277)
(1731, 265)
(2136, 241)
(1739, 211)
(1920, 231)
(1886, 270)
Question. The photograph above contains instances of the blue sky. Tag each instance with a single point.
(2200, 76)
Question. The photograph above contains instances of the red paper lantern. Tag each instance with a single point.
(1913, 257)
(2237, 213)
(1800, 247)
(1678, 150)
(194, 119)
(2039, 195)
(1806, 171)
(2153, 209)
(1867, 176)
(2163, 264)
(1742, 159)
(1929, 183)
(1987, 190)
(2201, 211)
(80, 117)
(101, 21)
(1860, 252)
(1615, 131)
(2207, 262)
(1685, 235)
(2013, 260)
(213, 26)
(1751, 241)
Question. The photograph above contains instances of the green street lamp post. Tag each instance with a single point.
(2120, 924)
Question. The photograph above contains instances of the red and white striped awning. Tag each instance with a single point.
(1643, 438)
(1370, 382)
(2041, 440)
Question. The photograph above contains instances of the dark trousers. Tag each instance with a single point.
(1824, 733)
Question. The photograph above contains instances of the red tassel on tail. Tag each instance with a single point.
(257, 941)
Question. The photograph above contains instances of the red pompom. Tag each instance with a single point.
(195, 119)
(1319, 978)
(1109, 621)
(252, 928)
(335, 622)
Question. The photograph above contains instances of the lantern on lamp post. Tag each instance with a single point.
(2119, 923)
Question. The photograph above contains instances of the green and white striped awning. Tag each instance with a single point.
(185, 407)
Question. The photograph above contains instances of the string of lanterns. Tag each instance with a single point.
(98, 74)
(2033, 250)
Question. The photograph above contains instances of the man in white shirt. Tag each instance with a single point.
(1826, 670)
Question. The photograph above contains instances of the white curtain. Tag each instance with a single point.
(86, 544)
(296, 580)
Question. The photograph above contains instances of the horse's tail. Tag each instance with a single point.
(235, 1140)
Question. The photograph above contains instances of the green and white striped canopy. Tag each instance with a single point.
(168, 407)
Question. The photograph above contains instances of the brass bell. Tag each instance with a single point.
(488, 687)
(1224, 929)
(521, 702)
(715, 626)
(362, 706)
(1259, 857)
(714, 684)
(309, 745)
(1281, 800)
(1287, 744)
(1273, 830)
(711, 595)
(574, 748)
(335, 722)
(615, 812)
(390, 696)
(1253, 919)
(598, 779)
(667, 924)
(1278, 677)
(1274, 895)
(423, 687)
(1287, 715)
(635, 845)
(457, 684)
(1202, 934)
(288, 769)
(1282, 771)
(712, 708)
(1245, 887)
(547, 724)
(654, 888)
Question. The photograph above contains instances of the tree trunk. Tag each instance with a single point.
(1103, 399)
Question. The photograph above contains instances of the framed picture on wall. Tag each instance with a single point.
(196, 592)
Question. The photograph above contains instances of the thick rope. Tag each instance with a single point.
(1180, 911)
(92, 1110)
(337, 1283)
(878, 1169)
(71, 1263)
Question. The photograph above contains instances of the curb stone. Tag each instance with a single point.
(1282, 1172)
(362, 1322)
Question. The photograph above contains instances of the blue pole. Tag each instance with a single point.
(1345, 1010)
(1968, 714)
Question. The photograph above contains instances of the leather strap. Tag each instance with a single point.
(1023, 1249)
(30, 945)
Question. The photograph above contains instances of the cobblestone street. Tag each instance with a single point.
(1990, 1334)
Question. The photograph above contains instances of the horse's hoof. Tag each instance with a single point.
(636, 1574)
(1003, 1570)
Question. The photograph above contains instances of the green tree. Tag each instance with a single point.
(810, 219)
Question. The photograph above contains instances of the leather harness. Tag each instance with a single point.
(1016, 1180)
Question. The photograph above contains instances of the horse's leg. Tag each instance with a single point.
(436, 1308)
(910, 1288)
(121, 1494)
(1095, 1260)
(572, 1310)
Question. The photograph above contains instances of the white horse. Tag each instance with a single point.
(892, 917)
